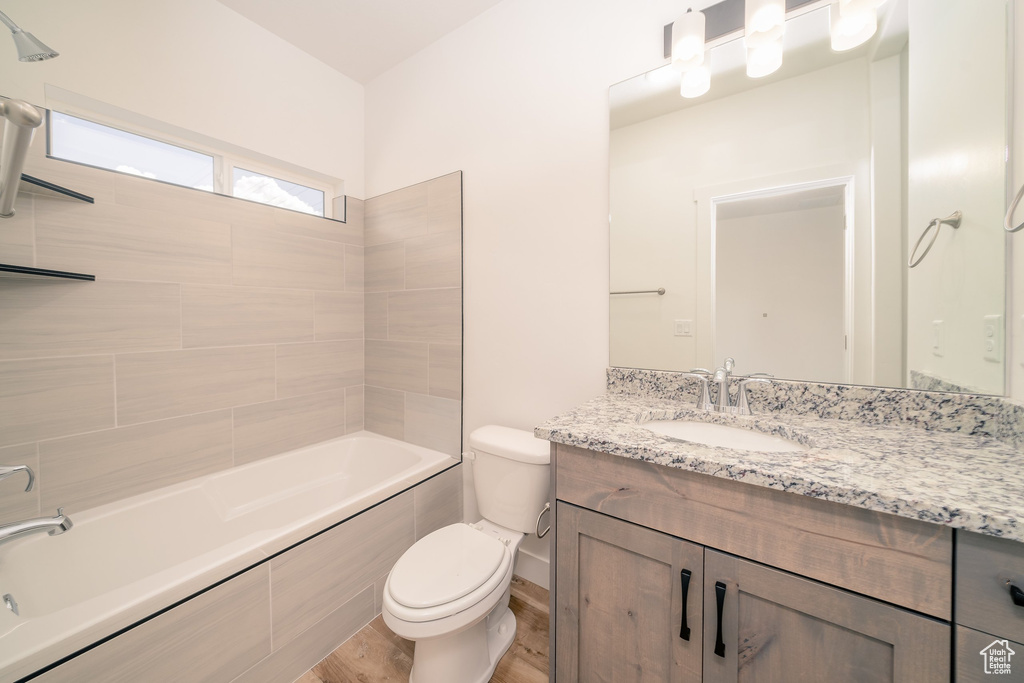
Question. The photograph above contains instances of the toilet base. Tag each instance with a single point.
(470, 656)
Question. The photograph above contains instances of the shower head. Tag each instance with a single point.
(30, 48)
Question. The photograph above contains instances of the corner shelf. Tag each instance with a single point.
(9, 271)
(52, 189)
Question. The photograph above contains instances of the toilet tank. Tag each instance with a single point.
(511, 475)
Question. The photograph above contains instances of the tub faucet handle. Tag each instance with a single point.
(8, 471)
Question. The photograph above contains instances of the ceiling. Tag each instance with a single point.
(360, 38)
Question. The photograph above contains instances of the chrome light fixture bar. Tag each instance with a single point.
(30, 48)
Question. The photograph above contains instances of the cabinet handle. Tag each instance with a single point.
(1015, 593)
(720, 599)
(684, 579)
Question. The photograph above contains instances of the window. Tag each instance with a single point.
(276, 192)
(76, 139)
(86, 142)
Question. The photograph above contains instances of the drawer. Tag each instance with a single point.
(986, 568)
(972, 651)
(902, 561)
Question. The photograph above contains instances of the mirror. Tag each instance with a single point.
(779, 214)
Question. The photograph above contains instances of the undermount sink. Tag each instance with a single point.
(725, 436)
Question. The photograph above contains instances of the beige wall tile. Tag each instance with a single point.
(270, 428)
(445, 203)
(306, 225)
(397, 215)
(69, 318)
(17, 241)
(92, 469)
(397, 365)
(339, 315)
(433, 315)
(237, 316)
(378, 593)
(353, 409)
(290, 661)
(53, 397)
(354, 268)
(434, 423)
(15, 502)
(434, 261)
(384, 412)
(318, 366)
(212, 638)
(385, 267)
(270, 258)
(446, 370)
(92, 182)
(127, 243)
(376, 315)
(438, 501)
(355, 212)
(153, 386)
(314, 579)
(174, 200)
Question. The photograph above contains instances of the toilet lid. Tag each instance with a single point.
(444, 566)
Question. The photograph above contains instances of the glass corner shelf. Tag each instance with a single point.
(19, 272)
(35, 185)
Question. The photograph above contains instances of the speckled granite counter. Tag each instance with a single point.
(973, 482)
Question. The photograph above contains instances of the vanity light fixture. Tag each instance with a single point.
(688, 41)
(764, 59)
(696, 81)
(30, 48)
(764, 22)
(852, 23)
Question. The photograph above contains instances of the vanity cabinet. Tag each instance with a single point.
(781, 587)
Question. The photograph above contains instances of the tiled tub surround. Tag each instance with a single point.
(413, 304)
(218, 332)
(288, 608)
(931, 457)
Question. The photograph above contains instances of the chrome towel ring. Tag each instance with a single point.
(1008, 221)
(953, 220)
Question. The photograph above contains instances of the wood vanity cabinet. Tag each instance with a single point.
(626, 532)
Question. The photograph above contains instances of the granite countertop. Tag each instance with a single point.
(971, 482)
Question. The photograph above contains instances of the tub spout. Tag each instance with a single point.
(52, 525)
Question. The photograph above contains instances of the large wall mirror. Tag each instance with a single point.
(773, 220)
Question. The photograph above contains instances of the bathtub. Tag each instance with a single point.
(127, 560)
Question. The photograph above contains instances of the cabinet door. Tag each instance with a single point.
(619, 603)
(774, 627)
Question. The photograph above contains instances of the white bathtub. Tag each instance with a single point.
(127, 560)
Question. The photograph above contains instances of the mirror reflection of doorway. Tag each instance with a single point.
(781, 300)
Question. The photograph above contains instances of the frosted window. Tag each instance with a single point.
(85, 142)
(276, 192)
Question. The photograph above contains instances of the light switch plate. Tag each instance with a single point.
(938, 338)
(684, 328)
(992, 338)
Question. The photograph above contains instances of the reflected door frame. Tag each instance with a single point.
(706, 201)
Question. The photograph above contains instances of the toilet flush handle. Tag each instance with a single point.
(542, 534)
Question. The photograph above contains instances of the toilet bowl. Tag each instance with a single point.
(450, 591)
(450, 594)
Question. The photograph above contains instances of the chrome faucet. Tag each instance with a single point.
(8, 471)
(52, 525)
(704, 397)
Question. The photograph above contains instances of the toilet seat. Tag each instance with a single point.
(446, 572)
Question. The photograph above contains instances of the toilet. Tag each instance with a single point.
(449, 592)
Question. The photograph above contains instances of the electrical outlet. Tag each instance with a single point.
(938, 338)
(992, 338)
(684, 328)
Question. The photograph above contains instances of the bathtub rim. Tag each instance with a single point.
(55, 652)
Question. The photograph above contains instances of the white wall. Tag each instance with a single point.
(197, 65)
(518, 100)
(802, 129)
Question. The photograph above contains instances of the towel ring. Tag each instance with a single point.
(1008, 221)
(952, 220)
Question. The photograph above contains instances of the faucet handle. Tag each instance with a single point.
(699, 371)
(704, 397)
(729, 365)
(742, 403)
(8, 471)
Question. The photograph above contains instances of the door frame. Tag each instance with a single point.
(706, 201)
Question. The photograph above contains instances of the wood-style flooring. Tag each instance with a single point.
(376, 654)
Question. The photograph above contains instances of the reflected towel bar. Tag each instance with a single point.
(22, 120)
(1008, 221)
(952, 220)
(659, 291)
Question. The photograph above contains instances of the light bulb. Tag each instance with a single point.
(688, 41)
(764, 21)
(696, 81)
(851, 25)
(764, 59)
